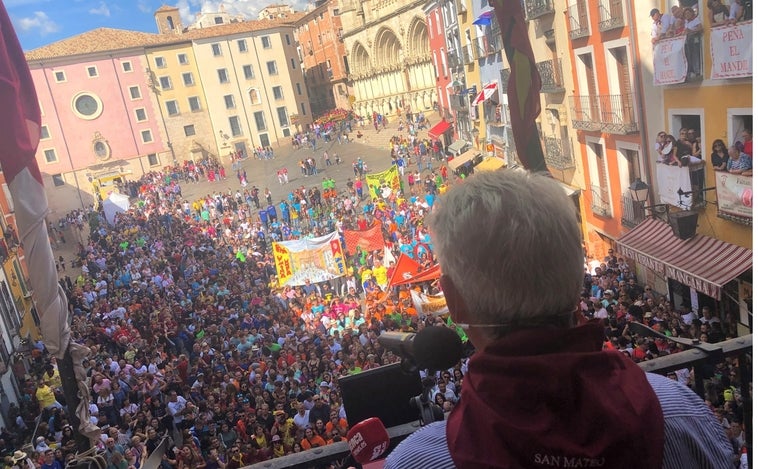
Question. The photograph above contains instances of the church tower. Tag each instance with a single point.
(168, 20)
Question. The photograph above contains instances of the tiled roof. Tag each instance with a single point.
(107, 39)
(166, 8)
(96, 40)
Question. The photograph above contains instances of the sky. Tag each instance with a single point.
(42, 22)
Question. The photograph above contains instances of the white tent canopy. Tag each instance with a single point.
(115, 203)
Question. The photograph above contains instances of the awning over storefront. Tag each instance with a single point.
(456, 146)
(439, 129)
(703, 263)
(459, 161)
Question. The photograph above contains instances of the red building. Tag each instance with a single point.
(436, 30)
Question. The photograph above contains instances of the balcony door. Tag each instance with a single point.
(589, 102)
(623, 105)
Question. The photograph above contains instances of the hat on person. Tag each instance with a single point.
(278, 412)
(40, 439)
(275, 438)
(654, 12)
(608, 292)
(324, 384)
(19, 455)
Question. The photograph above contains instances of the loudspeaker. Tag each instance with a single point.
(683, 224)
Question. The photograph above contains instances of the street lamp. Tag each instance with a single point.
(639, 190)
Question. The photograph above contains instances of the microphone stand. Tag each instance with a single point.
(428, 411)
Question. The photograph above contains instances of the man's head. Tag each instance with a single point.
(655, 14)
(510, 250)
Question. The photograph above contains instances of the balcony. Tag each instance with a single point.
(632, 213)
(607, 113)
(601, 205)
(467, 54)
(550, 73)
(453, 59)
(549, 36)
(579, 25)
(558, 154)
(505, 75)
(537, 8)
(611, 15)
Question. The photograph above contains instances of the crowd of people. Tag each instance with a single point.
(193, 337)
(737, 158)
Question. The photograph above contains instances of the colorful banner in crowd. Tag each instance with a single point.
(368, 240)
(315, 259)
(380, 184)
(735, 194)
(669, 61)
(436, 305)
(732, 51)
(670, 180)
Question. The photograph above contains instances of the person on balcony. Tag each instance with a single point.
(662, 23)
(719, 155)
(737, 12)
(718, 12)
(693, 26)
(739, 162)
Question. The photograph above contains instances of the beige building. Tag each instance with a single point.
(387, 46)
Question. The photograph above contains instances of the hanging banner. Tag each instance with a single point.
(368, 240)
(669, 61)
(732, 51)
(434, 305)
(315, 259)
(735, 194)
(670, 180)
(381, 185)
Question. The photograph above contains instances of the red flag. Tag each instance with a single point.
(405, 269)
(524, 84)
(19, 138)
(368, 240)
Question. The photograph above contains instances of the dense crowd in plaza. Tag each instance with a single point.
(193, 337)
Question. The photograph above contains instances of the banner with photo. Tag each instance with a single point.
(314, 259)
(732, 51)
(669, 61)
(380, 185)
(735, 194)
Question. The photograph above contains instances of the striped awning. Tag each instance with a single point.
(703, 263)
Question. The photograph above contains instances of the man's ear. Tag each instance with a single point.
(455, 303)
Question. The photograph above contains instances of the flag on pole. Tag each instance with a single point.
(523, 87)
(405, 269)
(19, 137)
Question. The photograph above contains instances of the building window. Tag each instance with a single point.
(271, 66)
(172, 108)
(50, 156)
(287, 39)
(278, 93)
(242, 45)
(147, 136)
(247, 70)
(264, 140)
(260, 120)
(255, 96)
(286, 132)
(140, 114)
(134, 92)
(216, 49)
(234, 126)
(189, 130)
(292, 63)
(229, 101)
(165, 83)
(223, 77)
(218, 20)
(126, 66)
(160, 62)
(299, 90)
(44, 133)
(281, 112)
(194, 103)
(188, 79)
(266, 41)
(58, 180)
(182, 58)
(302, 109)
(92, 71)
(153, 160)
(60, 77)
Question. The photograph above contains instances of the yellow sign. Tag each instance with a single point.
(379, 184)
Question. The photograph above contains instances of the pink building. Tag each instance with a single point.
(435, 26)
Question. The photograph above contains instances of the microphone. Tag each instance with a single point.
(368, 440)
(434, 348)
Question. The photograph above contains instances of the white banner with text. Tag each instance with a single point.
(669, 61)
(732, 51)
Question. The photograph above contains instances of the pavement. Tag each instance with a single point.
(372, 148)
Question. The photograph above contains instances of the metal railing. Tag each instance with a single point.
(600, 204)
(578, 20)
(558, 153)
(738, 347)
(467, 54)
(632, 213)
(537, 8)
(453, 59)
(550, 73)
(613, 113)
(611, 14)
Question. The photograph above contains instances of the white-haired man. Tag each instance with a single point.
(540, 392)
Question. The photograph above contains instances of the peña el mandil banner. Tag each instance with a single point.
(732, 51)
(315, 259)
(669, 61)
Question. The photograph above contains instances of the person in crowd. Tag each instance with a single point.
(536, 367)
(747, 142)
(719, 155)
(739, 162)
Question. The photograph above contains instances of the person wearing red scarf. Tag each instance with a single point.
(540, 391)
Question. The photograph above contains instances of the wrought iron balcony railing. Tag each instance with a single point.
(467, 54)
(550, 73)
(611, 14)
(558, 153)
(608, 113)
(579, 23)
(632, 213)
(537, 8)
(601, 204)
